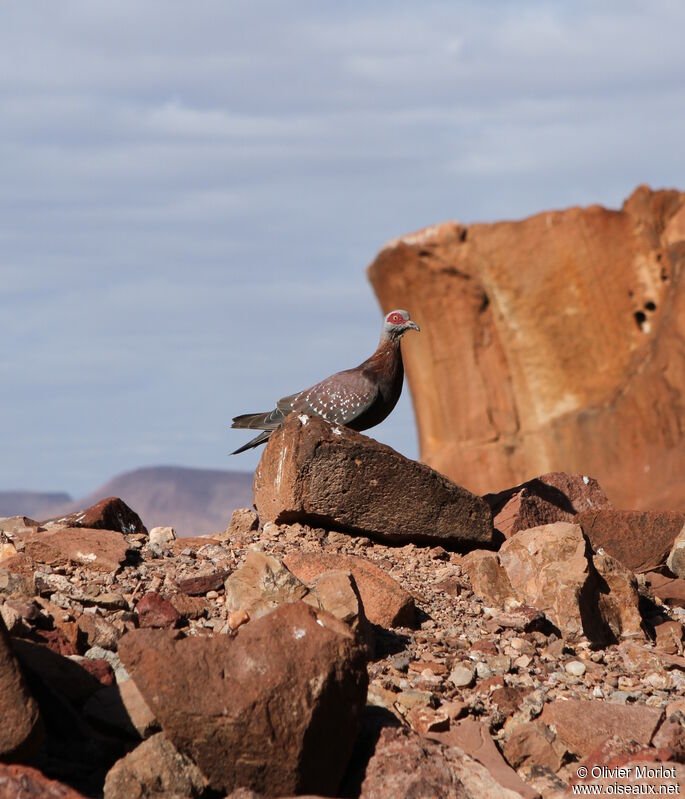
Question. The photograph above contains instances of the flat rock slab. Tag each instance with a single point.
(474, 739)
(641, 540)
(100, 550)
(670, 590)
(583, 726)
(276, 708)
(20, 731)
(323, 475)
(385, 602)
(110, 513)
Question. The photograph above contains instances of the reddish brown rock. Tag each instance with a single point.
(155, 768)
(385, 602)
(275, 709)
(640, 540)
(20, 730)
(544, 340)
(155, 611)
(17, 577)
(617, 597)
(582, 726)
(243, 521)
(488, 578)
(405, 766)
(669, 637)
(508, 699)
(473, 738)
(336, 591)
(670, 590)
(189, 607)
(100, 550)
(24, 782)
(97, 631)
(261, 584)
(533, 744)
(312, 474)
(425, 720)
(56, 641)
(98, 668)
(554, 497)
(201, 583)
(110, 513)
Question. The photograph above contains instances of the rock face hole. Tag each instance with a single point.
(641, 317)
(641, 320)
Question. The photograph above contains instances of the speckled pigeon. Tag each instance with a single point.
(358, 398)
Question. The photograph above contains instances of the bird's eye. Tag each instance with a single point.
(396, 319)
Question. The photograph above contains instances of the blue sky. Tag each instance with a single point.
(190, 193)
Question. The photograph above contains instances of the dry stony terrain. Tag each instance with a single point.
(492, 649)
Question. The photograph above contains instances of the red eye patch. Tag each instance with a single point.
(396, 319)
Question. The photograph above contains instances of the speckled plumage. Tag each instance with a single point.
(358, 398)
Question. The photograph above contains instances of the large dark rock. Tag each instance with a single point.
(20, 727)
(275, 709)
(318, 474)
(110, 513)
(641, 540)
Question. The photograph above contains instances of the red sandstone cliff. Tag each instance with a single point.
(552, 343)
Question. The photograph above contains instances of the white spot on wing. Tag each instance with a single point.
(586, 480)
(303, 418)
(337, 431)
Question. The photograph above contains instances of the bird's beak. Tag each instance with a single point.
(413, 326)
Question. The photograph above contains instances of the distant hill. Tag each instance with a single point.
(192, 501)
(35, 504)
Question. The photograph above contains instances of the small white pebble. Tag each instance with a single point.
(576, 668)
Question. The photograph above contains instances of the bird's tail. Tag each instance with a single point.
(253, 442)
(258, 421)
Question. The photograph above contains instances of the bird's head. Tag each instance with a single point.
(396, 324)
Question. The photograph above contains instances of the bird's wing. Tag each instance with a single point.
(340, 398)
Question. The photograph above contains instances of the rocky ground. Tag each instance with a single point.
(283, 658)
